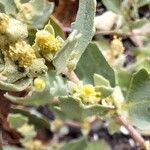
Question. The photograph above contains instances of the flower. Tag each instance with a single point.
(22, 53)
(47, 42)
(87, 94)
(116, 49)
(117, 46)
(39, 84)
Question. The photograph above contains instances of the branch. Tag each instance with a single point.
(133, 132)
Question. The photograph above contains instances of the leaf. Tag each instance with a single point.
(39, 14)
(75, 145)
(98, 145)
(85, 25)
(100, 81)
(37, 121)
(18, 86)
(62, 57)
(112, 5)
(42, 11)
(71, 108)
(123, 79)
(9, 6)
(58, 85)
(11, 71)
(97, 109)
(105, 91)
(138, 100)
(75, 46)
(84, 144)
(74, 109)
(93, 62)
(17, 120)
(58, 29)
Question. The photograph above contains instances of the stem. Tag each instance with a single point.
(133, 132)
(72, 76)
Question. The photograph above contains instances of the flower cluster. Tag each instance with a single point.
(47, 42)
(116, 49)
(87, 94)
(117, 46)
(22, 53)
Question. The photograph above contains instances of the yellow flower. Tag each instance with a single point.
(117, 46)
(87, 94)
(39, 84)
(22, 53)
(47, 42)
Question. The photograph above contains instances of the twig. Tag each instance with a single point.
(133, 132)
(71, 76)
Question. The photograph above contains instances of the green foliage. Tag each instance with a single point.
(138, 98)
(91, 62)
(107, 87)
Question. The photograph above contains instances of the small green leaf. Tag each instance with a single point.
(105, 91)
(57, 28)
(100, 81)
(58, 85)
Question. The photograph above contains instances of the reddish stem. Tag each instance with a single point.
(133, 132)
